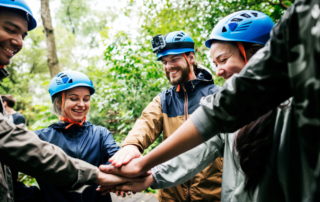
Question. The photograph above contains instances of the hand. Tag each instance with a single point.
(105, 179)
(131, 170)
(125, 155)
(131, 186)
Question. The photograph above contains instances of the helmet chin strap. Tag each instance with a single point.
(191, 71)
(243, 52)
(65, 118)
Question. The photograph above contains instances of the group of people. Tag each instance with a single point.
(254, 139)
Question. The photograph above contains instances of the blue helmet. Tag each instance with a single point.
(69, 79)
(21, 5)
(177, 42)
(243, 26)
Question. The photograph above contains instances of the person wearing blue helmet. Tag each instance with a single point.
(71, 93)
(169, 110)
(22, 149)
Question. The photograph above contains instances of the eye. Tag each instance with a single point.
(164, 62)
(223, 60)
(9, 30)
(86, 100)
(73, 99)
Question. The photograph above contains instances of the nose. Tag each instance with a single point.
(220, 72)
(17, 42)
(168, 66)
(81, 103)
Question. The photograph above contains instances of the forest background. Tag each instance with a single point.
(110, 42)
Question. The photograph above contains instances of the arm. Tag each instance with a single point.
(23, 150)
(172, 173)
(145, 131)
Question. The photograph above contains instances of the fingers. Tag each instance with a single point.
(109, 169)
(128, 158)
(125, 155)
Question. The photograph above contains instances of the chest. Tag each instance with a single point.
(85, 144)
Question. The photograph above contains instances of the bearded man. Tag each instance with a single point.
(169, 110)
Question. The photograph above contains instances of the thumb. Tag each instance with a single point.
(108, 169)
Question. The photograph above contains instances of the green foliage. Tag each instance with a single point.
(130, 81)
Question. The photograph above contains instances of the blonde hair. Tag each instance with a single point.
(55, 109)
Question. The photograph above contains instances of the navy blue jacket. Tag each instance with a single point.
(91, 143)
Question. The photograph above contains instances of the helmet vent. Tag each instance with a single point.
(255, 14)
(59, 74)
(245, 15)
(224, 29)
(236, 20)
(70, 81)
(247, 23)
(180, 35)
(177, 39)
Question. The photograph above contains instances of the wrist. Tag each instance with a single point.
(142, 164)
(133, 146)
(98, 180)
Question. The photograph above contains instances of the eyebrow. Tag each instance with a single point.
(16, 26)
(220, 55)
(77, 95)
(172, 57)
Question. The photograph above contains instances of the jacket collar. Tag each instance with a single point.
(203, 77)
(61, 125)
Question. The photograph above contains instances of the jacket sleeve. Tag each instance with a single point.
(109, 145)
(23, 150)
(175, 171)
(148, 127)
(261, 85)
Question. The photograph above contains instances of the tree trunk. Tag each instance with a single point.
(50, 40)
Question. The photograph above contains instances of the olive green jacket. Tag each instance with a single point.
(23, 150)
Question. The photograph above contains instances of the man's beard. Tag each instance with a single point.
(184, 76)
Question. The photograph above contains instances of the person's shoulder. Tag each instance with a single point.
(44, 131)
(18, 118)
(17, 114)
(101, 130)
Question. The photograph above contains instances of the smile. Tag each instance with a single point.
(13, 52)
(174, 72)
(78, 111)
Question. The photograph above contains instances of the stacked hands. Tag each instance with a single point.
(125, 174)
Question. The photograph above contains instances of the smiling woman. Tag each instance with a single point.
(70, 92)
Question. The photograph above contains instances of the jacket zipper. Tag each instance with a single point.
(76, 144)
(185, 119)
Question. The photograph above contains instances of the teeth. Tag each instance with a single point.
(7, 49)
(174, 72)
(78, 111)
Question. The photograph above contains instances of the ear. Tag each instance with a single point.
(4, 103)
(191, 58)
(58, 102)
